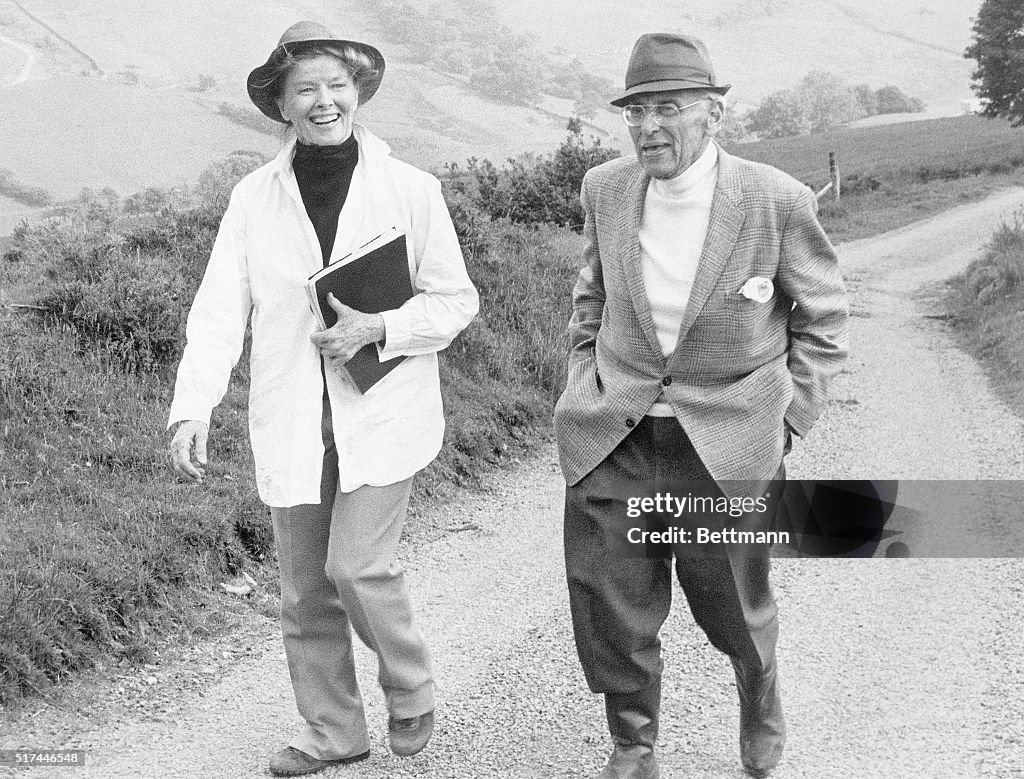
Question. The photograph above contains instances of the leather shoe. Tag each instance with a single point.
(409, 735)
(631, 761)
(762, 726)
(294, 762)
(633, 725)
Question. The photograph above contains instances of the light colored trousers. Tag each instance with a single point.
(339, 571)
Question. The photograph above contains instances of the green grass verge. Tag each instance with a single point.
(988, 301)
(923, 151)
(892, 175)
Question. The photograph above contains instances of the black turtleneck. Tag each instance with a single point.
(324, 174)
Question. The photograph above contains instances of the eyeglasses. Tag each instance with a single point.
(665, 114)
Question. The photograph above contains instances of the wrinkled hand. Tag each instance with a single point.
(349, 334)
(189, 438)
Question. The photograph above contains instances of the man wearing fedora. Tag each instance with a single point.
(708, 320)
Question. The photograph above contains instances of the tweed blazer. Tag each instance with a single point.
(741, 370)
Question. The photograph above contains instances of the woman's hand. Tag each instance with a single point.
(189, 438)
(349, 334)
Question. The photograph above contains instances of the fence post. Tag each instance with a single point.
(833, 174)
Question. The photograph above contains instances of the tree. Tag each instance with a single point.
(826, 101)
(867, 98)
(533, 189)
(998, 49)
(778, 115)
(891, 100)
(734, 129)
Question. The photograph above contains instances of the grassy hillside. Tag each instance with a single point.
(939, 148)
(893, 174)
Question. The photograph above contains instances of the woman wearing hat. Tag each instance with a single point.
(334, 465)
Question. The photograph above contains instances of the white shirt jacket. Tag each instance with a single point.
(265, 251)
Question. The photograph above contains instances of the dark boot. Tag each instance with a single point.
(633, 724)
(762, 727)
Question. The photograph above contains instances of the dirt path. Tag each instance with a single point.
(891, 668)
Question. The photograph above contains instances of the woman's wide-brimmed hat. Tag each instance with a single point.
(663, 62)
(301, 34)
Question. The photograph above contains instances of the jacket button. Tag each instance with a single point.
(666, 381)
(630, 422)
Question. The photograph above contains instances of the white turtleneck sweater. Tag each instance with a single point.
(672, 232)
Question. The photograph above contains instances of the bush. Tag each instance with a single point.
(219, 178)
(128, 305)
(120, 275)
(502, 375)
(533, 190)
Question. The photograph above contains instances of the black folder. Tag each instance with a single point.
(372, 279)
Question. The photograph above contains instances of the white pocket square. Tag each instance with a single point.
(758, 288)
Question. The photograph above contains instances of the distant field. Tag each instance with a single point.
(937, 148)
(112, 135)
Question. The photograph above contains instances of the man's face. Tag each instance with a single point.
(665, 152)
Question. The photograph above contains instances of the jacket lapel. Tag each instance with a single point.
(286, 174)
(628, 229)
(723, 229)
(354, 228)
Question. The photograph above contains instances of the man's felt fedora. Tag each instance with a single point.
(260, 83)
(662, 62)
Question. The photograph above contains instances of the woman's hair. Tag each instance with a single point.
(358, 64)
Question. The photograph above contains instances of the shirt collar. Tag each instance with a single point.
(370, 146)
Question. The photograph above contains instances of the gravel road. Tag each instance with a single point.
(891, 668)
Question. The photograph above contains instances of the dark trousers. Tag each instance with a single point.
(620, 592)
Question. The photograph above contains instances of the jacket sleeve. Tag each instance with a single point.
(445, 300)
(216, 326)
(588, 294)
(819, 339)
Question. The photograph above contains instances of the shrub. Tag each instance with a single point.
(502, 375)
(129, 305)
(119, 275)
(534, 190)
(219, 178)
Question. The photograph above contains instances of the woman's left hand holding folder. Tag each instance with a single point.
(349, 334)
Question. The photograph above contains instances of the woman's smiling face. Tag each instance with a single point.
(319, 99)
